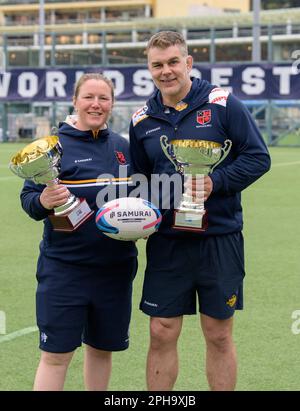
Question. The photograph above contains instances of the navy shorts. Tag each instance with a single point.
(84, 304)
(179, 269)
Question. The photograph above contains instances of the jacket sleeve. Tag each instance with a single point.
(30, 200)
(251, 158)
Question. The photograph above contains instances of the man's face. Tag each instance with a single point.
(170, 72)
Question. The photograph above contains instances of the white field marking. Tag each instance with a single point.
(18, 333)
(292, 163)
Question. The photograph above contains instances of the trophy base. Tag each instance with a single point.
(190, 220)
(73, 219)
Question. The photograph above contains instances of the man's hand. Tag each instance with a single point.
(200, 187)
(53, 196)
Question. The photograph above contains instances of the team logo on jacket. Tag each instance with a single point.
(120, 157)
(204, 117)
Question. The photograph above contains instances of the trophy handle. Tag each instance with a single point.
(225, 150)
(165, 146)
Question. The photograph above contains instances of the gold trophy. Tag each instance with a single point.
(40, 161)
(194, 159)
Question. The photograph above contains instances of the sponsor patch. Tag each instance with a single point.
(204, 117)
(139, 115)
(218, 96)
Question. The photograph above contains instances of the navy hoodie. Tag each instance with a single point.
(206, 113)
(84, 158)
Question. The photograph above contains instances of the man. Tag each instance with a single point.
(182, 264)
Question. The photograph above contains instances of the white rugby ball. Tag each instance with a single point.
(128, 218)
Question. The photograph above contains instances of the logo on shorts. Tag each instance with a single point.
(44, 337)
(231, 301)
(128, 334)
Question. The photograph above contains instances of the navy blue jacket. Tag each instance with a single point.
(84, 158)
(206, 113)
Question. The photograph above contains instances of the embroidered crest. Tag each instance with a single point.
(204, 117)
(120, 157)
(181, 106)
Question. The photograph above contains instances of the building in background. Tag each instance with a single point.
(26, 12)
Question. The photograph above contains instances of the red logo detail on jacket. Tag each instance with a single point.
(204, 117)
(120, 157)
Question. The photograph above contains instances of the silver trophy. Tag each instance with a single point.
(40, 161)
(194, 159)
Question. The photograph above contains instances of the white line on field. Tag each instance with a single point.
(18, 333)
(292, 163)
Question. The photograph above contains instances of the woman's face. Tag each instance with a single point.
(93, 104)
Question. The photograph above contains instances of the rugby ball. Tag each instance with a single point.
(128, 218)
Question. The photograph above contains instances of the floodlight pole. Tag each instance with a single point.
(256, 51)
(42, 33)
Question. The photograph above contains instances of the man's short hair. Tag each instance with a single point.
(165, 39)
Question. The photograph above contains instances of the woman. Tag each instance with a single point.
(84, 278)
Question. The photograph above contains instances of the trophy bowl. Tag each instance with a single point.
(197, 156)
(39, 161)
